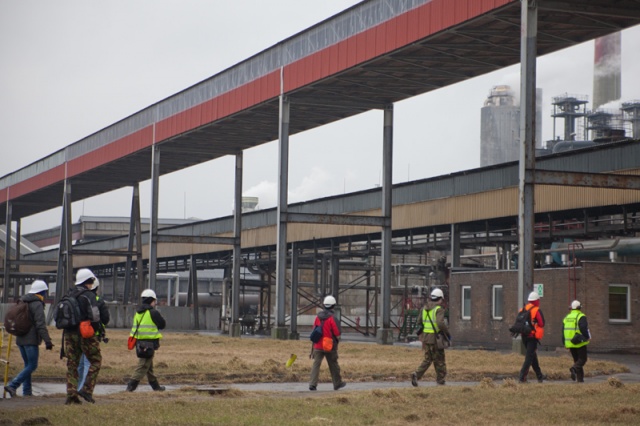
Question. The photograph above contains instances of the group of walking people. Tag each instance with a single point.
(82, 352)
(433, 330)
(84, 357)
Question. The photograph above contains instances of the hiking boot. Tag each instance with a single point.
(340, 385)
(11, 391)
(86, 396)
(132, 385)
(72, 400)
(312, 388)
(441, 383)
(414, 380)
(542, 378)
(572, 370)
(156, 386)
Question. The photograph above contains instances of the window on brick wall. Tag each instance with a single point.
(496, 302)
(619, 303)
(466, 302)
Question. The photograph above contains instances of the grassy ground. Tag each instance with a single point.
(188, 358)
(192, 359)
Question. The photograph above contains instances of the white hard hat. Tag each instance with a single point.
(437, 294)
(533, 296)
(96, 284)
(329, 301)
(83, 275)
(576, 305)
(37, 286)
(148, 293)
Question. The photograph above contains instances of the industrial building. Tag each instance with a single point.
(378, 251)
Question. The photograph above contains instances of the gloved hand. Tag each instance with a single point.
(49, 345)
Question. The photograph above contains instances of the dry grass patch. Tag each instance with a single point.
(190, 358)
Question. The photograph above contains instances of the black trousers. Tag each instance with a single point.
(530, 358)
(579, 360)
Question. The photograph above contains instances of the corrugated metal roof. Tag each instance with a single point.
(375, 53)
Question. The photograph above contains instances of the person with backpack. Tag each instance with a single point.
(531, 340)
(75, 344)
(327, 346)
(433, 323)
(83, 365)
(576, 337)
(146, 327)
(28, 343)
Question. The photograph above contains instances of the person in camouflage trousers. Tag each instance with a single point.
(433, 322)
(75, 345)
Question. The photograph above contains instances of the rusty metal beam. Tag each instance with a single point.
(191, 239)
(593, 180)
(120, 253)
(336, 219)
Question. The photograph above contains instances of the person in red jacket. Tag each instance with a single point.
(530, 341)
(330, 330)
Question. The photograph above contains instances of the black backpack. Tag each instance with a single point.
(67, 314)
(522, 324)
(17, 321)
(316, 333)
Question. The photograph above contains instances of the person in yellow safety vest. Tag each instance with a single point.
(576, 337)
(433, 322)
(147, 324)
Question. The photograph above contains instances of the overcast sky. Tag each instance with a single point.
(69, 68)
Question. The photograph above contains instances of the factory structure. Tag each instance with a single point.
(458, 232)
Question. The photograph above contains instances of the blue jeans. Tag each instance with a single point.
(30, 354)
(83, 369)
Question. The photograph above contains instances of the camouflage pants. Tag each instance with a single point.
(74, 347)
(435, 356)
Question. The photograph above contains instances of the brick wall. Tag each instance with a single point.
(592, 289)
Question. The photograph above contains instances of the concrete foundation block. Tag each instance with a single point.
(280, 333)
(384, 336)
(234, 330)
(517, 347)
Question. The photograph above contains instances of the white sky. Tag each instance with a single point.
(69, 68)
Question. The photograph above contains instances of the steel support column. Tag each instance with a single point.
(528, 41)
(193, 286)
(234, 330)
(17, 257)
(7, 255)
(280, 330)
(64, 277)
(385, 333)
(294, 335)
(153, 232)
(135, 229)
(455, 245)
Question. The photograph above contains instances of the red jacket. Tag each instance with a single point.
(537, 319)
(329, 328)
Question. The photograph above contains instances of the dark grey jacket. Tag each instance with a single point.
(38, 331)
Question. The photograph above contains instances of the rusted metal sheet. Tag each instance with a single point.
(334, 219)
(599, 180)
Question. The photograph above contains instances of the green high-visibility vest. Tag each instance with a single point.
(428, 328)
(148, 329)
(571, 328)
